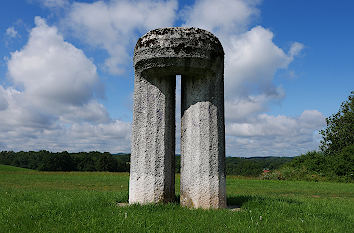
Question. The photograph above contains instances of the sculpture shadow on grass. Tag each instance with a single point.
(240, 200)
(234, 202)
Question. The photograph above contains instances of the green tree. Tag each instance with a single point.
(339, 132)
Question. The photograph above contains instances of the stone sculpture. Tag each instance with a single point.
(198, 56)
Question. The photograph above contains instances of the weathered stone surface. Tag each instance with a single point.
(198, 57)
(153, 140)
(202, 142)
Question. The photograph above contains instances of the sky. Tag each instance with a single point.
(67, 76)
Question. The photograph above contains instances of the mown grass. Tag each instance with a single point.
(32, 201)
(6, 168)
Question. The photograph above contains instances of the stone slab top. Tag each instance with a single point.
(177, 43)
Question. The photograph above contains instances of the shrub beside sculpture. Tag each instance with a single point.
(198, 56)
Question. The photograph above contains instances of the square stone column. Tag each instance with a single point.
(152, 167)
(203, 181)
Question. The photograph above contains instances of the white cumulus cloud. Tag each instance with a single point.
(280, 135)
(52, 70)
(267, 125)
(53, 103)
(223, 16)
(251, 61)
(113, 25)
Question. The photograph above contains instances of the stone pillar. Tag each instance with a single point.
(198, 57)
(203, 141)
(152, 169)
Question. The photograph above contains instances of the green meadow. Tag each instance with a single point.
(33, 201)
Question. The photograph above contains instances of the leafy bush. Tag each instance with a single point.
(317, 166)
(294, 173)
(343, 163)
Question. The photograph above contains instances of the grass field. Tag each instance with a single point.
(32, 201)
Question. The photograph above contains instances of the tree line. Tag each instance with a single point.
(63, 161)
(96, 161)
(252, 167)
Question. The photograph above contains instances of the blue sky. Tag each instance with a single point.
(66, 74)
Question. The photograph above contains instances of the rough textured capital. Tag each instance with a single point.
(196, 55)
